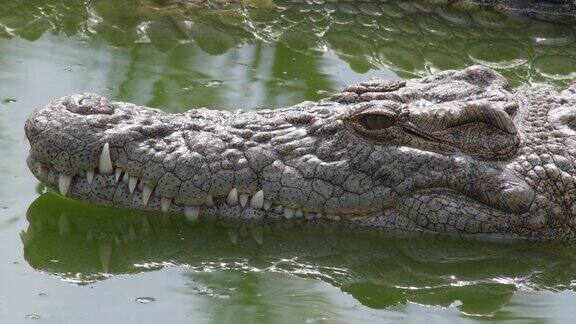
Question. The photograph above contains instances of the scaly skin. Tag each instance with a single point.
(453, 153)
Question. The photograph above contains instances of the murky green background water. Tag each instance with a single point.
(64, 262)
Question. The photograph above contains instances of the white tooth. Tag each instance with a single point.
(146, 193)
(165, 204)
(191, 213)
(117, 174)
(90, 176)
(64, 182)
(105, 162)
(267, 204)
(257, 200)
(289, 212)
(140, 186)
(232, 199)
(299, 213)
(278, 209)
(244, 199)
(41, 171)
(132, 183)
(125, 178)
(209, 201)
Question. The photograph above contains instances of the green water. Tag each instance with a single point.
(65, 262)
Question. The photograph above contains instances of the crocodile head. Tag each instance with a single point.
(455, 153)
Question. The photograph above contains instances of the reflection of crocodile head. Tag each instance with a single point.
(82, 244)
(406, 36)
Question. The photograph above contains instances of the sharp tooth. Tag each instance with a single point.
(41, 171)
(64, 182)
(278, 209)
(257, 200)
(90, 176)
(191, 213)
(117, 174)
(299, 213)
(132, 183)
(289, 212)
(105, 162)
(125, 177)
(232, 199)
(146, 193)
(140, 186)
(258, 234)
(244, 199)
(267, 204)
(209, 201)
(165, 204)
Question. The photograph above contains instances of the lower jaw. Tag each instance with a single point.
(106, 190)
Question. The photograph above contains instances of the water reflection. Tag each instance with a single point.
(82, 244)
(408, 37)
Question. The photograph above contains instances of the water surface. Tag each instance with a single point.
(65, 262)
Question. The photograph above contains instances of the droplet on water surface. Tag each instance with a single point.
(145, 300)
(8, 101)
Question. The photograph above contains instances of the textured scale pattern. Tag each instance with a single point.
(425, 169)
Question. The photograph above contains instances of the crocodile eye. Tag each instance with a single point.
(376, 121)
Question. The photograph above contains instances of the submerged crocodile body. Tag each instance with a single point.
(452, 153)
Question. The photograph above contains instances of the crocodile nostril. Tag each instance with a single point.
(88, 104)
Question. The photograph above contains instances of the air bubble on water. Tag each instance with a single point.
(33, 316)
(145, 300)
(212, 84)
(8, 101)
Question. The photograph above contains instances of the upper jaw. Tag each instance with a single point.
(90, 149)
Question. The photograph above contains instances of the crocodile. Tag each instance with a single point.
(455, 153)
